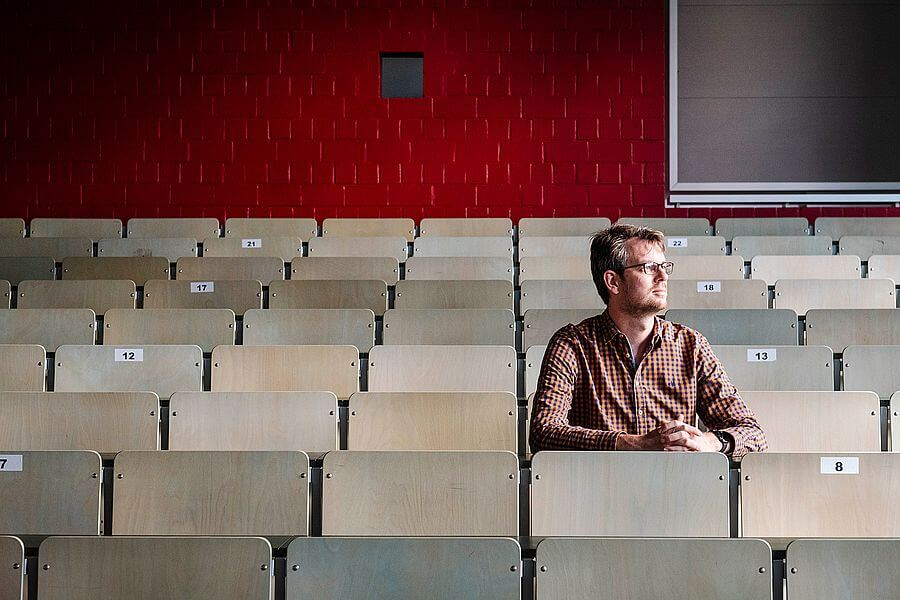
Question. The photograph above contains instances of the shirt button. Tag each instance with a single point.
(641, 411)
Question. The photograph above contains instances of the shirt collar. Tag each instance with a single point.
(608, 329)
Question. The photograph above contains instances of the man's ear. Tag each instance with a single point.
(612, 281)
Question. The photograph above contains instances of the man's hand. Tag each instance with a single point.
(671, 436)
(678, 436)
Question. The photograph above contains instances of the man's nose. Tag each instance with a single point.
(661, 274)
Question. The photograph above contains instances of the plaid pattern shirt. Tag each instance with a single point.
(589, 392)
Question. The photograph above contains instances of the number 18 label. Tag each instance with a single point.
(709, 287)
(839, 465)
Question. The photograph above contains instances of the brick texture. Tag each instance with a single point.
(126, 108)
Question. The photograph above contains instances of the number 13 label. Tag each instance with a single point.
(839, 465)
(762, 354)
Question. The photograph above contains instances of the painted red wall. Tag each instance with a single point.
(271, 108)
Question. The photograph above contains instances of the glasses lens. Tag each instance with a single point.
(668, 267)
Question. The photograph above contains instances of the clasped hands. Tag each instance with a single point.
(671, 436)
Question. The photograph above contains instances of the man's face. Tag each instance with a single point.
(641, 293)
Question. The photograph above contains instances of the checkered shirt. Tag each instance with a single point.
(588, 393)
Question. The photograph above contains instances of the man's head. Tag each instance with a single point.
(615, 252)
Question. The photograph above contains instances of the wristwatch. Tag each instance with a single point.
(724, 439)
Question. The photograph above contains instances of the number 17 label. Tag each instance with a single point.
(10, 462)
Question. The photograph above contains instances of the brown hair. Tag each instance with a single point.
(608, 251)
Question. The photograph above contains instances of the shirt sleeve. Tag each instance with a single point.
(720, 406)
(550, 428)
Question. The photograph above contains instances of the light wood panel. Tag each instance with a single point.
(163, 370)
(459, 268)
(567, 226)
(671, 226)
(47, 327)
(329, 294)
(883, 266)
(420, 493)
(722, 293)
(797, 245)
(211, 493)
(569, 294)
(442, 369)
(173, 228)
(534, 357)
(149, 568)
(773, 268)
(5, 293)
(380, 267)
(454, 294)
(285, 248)
(286, 368)
(819, 569)
(346, 247)
(98, 295)
(695, 245)
(474, 568)
(707, 267)
(741, 325)
(614, 568)
(593, 493)
(12, 228)
(501, 247)
(17, 269)
(541, 324)
(136, 268)
(204, 327)
(786, 495)
(450, 326)
(538, 246)
(489, 227)
(554, 267)
(106, 422)
(729, 228)
(788, 368)
(802, 295)
(260, 268)
(818, 421)
(837, 227)
(304, 421)
(839, 328)
(94, 229)
(22, 368)
(865, 246)
(254, 227)
(369, 228)
(169, 248)
(12, 573)
(311, 326)
(433, 421)
(55, 493)
(239, 296)
(872, 368)
(58, 248)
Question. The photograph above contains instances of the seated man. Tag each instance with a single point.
(629, 380)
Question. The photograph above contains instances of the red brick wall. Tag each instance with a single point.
(256, 108)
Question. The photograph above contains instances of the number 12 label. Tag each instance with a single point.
(839, 465)
(129, 355)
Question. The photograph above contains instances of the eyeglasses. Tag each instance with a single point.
(650, 268)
